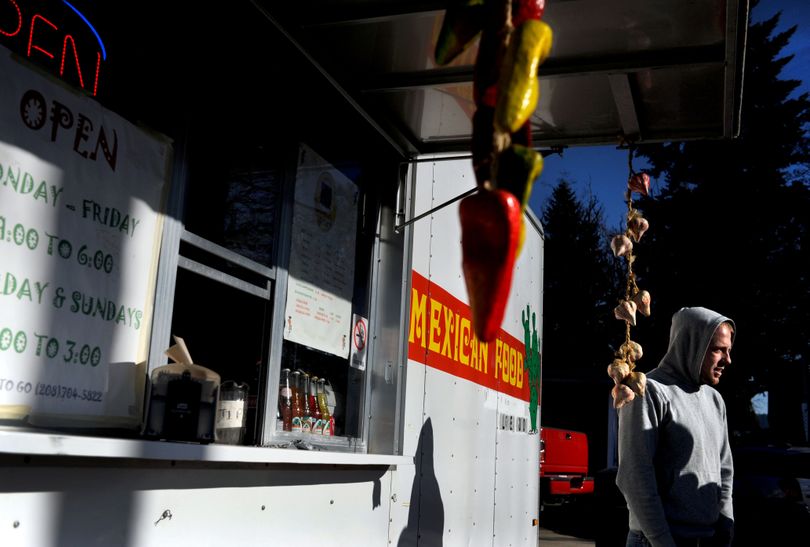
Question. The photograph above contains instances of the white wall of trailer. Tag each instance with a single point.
(476, 474)
(467, 473)
(63, 501)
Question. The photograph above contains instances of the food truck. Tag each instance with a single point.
(232, 307)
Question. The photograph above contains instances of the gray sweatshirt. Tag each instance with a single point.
(675, 466)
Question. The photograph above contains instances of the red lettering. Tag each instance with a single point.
(31, 35)
(441, 336)
(68, 37)
(98, 68)
(19, 21)
(43, 38)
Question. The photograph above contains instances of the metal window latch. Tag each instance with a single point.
(165, 515)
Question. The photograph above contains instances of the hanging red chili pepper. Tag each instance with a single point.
(505, 88)
(491, 221)
(523, 10)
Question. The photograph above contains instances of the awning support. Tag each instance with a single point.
(625, 105)
(470, 192)
(399, 227)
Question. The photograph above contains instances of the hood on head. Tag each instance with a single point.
(689, 337)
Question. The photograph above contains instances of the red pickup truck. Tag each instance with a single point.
(563, 465)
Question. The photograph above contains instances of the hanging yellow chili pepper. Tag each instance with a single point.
(518, 88)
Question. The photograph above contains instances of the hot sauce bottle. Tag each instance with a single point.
(328, 420)
(317, 423)
(306, 419)
(285, 400)
(297, 406)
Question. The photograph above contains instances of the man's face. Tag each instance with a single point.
(717, 357)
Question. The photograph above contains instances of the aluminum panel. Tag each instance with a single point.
(517, 465)
(574, 106)
(527, 283)
(517, 490)
(585, 28)
(398, 44)
(145, 506)
(678, 100)
(414, 416)
(440, 112)
(420, 201)
(381, 53)
(582, 28)
(457, 444)
(404, 517)
(449, 179)
(423, 201)
(461, 416)
(385, 344)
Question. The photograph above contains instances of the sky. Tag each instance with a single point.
(602, 170)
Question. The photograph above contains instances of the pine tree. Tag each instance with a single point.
(729, 231)
(577, 286)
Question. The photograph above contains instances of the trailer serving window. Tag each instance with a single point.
(271, 255)
(283, 252)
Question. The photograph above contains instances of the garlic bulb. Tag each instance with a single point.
(643, 301)
(637, 381)
(621, 395)
(621, 245)
(618, 370)
(640, 182)
(636, 226)
(626, 310)
(632, 350)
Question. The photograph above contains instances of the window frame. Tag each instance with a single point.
(276, 278)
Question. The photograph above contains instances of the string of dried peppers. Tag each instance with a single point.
(514, 42)
(628, 381)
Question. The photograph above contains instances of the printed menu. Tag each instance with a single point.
(321, 281)
(81, 198)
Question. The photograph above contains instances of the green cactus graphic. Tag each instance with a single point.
(532, 360)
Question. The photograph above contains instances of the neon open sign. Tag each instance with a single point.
(62, 46)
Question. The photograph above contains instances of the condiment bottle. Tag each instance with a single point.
(317, 424)
(306, 419)
(285, 400)
(297, 406)
(317, 418)
(328, 420)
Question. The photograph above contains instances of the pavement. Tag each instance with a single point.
(553, 539)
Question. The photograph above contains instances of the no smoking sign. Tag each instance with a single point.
(357, 355)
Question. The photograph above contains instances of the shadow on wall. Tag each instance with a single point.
(426, 513)
(113, 502)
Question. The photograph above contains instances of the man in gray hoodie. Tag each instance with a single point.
(675, 466)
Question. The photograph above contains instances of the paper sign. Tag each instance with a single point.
(357, 357)
(321, 280)
(81, 194)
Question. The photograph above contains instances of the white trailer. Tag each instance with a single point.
(466, 473)
(288, 194)
(467, 419)
(101, 263)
